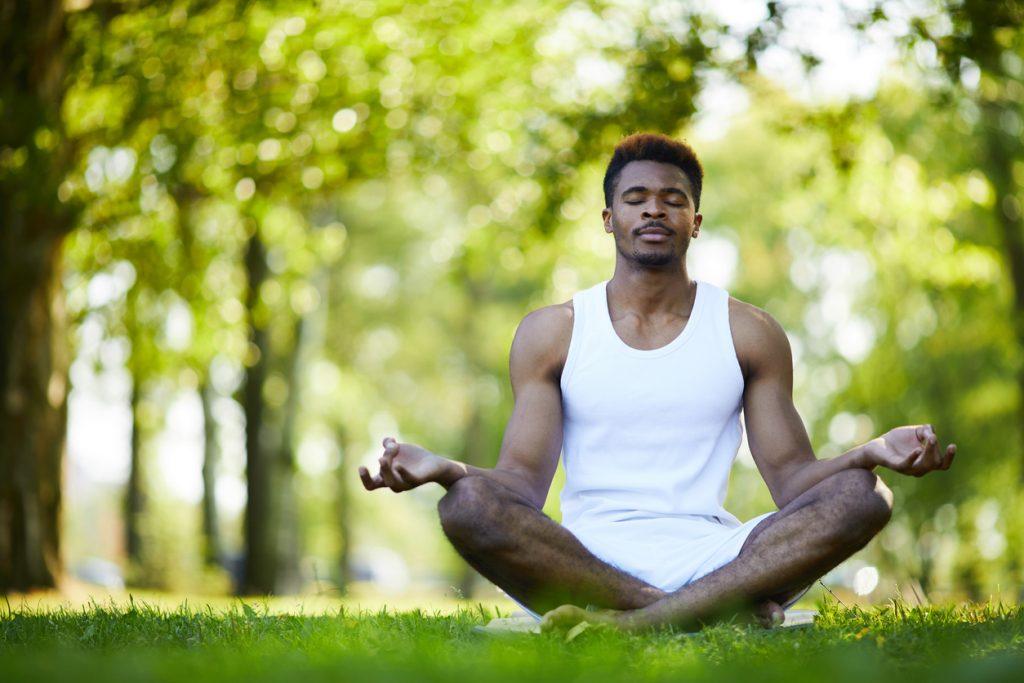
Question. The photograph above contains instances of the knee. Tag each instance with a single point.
(465, 509)
(865, 503)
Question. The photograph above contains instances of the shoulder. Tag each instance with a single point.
(759, 339)
(542, 339)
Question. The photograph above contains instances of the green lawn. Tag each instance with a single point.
(894, 642)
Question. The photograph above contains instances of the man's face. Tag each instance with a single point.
(652, 216)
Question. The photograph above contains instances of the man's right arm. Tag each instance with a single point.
(533, 437)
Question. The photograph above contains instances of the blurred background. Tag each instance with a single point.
(243, 241)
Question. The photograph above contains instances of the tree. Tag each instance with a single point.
(34, 155)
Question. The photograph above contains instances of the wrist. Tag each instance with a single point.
(451, 473)
(863, 456)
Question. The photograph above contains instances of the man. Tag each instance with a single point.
(640, 382)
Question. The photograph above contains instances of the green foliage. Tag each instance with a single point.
(423, 174)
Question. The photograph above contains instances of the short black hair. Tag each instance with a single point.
(654, 147)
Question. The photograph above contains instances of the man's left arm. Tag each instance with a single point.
(776, 434)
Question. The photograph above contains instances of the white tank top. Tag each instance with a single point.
(648, 434)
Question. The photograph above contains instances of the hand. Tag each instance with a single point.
(405, 466)
(568, 618)
(912, 450)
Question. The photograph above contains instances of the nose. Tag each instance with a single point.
(653, 210)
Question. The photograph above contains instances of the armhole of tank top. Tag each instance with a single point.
(575, 339)
(727, 324)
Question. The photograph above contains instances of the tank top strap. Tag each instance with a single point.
(583, 324)
(719, 329)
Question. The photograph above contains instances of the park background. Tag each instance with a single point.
(243, 241)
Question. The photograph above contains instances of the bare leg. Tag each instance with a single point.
(808, 537)
(530, 556)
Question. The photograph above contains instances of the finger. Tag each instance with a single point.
(396, 481)
(402, 474)
(386, 474)
(921, 433)
(370, 483)
(390, 451)
(909, 460)
(932, 458)
(923, 462)
(950, 454)
(909, 465)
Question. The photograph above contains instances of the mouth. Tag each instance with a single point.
(654, 233)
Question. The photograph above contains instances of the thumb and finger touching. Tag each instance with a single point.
(370, 483)
(389, 475)
(928, 456)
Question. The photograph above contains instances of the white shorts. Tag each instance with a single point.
(668, 552)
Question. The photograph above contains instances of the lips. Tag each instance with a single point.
(654, 233)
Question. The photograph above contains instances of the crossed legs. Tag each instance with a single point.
(541, 564)
(530, 556)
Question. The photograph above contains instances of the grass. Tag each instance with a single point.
(251, 642)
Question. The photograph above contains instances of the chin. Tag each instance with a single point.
(654, 259)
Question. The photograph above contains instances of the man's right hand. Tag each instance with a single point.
(405, 466)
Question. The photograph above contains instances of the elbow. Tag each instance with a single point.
(784, 487)
(781, 498)
(527, 486)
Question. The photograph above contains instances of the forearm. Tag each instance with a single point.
(806, 475)
(508, 478)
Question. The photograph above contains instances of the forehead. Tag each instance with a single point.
(654, 175)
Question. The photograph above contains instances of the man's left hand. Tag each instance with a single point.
(913, 450)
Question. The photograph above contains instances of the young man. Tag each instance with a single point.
(640, 381)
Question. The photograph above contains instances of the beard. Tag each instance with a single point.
(651, 259)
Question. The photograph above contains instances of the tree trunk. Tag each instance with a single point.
(33, 350)
(212, 546)
(345, 472)
(134, 500)
(1000, 148)
(33, 409)
(289, 547)
(260, 558)
(1002, 151)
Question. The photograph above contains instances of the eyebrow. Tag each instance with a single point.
(664, 190)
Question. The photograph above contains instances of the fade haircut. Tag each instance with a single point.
(653, 147)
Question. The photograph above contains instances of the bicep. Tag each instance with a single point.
(777, 437)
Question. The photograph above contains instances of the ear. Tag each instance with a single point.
(606, 215)
(697, 220)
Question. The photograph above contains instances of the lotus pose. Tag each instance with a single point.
(638, 382)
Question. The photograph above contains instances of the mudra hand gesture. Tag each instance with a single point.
(912, 450)
(405, 466)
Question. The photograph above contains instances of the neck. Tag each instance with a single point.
(647, 291)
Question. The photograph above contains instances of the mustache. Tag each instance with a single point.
(653, 224)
